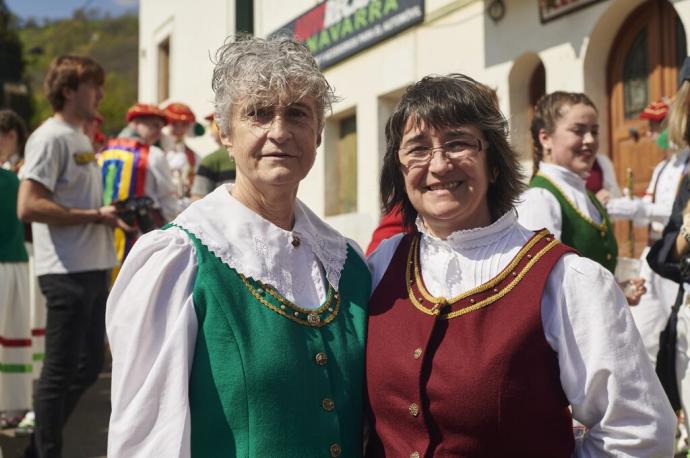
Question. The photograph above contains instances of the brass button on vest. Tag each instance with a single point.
(414, 409)
(328, 405)
(321, 358)
(414, 455)
(336, 450)
(417, 353)
(608, 256)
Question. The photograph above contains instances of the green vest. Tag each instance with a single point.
(594, 241)
(272, 380)
(11, 229)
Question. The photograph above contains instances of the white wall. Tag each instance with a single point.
(195, 33)
(457, 36)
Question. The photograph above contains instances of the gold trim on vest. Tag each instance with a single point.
(475, 298)
(313, 318)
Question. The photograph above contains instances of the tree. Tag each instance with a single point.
(13, 90)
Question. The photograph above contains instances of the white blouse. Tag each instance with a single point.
(539, 209)
(657, 204)
(150, 316)
(605, 372)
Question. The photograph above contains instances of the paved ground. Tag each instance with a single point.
(86, 431)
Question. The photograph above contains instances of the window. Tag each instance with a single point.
(341, 170)
(164, 70)
(635, 93)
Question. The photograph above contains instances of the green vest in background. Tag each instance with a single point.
(11, 229)
(270, 379)
(594, 241)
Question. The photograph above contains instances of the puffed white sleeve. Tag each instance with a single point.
(152, 328)
(538, 209)
(604, 369)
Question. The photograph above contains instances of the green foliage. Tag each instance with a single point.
(11, 63)
(111, 41)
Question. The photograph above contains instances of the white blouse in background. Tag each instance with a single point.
(539, 209)
(604, 370)
(151, 320)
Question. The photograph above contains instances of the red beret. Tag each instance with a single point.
(179, 112)
(145, 109)
(655, 111)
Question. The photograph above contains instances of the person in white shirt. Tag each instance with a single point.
(239, 329)
(482, 332)
(565, 133)
(61, 195)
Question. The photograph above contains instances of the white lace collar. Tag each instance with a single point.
(471, 238)
(563, 175)
(252, 245)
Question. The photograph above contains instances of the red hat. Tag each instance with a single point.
(144, 109)
(655, 111)
(179, 112)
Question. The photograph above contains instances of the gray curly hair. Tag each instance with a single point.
(261, 72)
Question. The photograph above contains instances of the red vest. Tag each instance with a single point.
(472, 378)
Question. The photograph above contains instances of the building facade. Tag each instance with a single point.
(622, 53)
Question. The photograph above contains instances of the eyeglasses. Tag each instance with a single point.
(459, 149)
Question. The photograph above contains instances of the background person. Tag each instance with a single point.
(215, 169)
(565, 133)
(61, 194)
(182, 159)
(133, 167)
(481, 332)
(249, 311)
(668, 257)
(15, 313)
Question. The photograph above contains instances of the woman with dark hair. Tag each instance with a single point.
(480, 332)
(13, 137)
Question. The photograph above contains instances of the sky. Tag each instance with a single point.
(54, 9)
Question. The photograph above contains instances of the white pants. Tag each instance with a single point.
(652, 313)
(15, 337)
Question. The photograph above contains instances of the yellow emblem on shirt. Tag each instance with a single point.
(84, 158)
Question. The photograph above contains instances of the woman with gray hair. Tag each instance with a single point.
(248, 312)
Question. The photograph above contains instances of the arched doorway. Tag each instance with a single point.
(527, 82)
(642, 67)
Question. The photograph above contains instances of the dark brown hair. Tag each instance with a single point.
(10, 121)
(69, 72)
(547, 112)
(447, 101)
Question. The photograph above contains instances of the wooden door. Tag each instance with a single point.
(642, 68)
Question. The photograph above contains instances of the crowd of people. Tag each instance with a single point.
(486, 318)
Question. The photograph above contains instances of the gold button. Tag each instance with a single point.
(321, 358)
(295, 241)
(313, 319)
(414, 455)
(608, 256)
(336, 450)
(328, 405)
(414, 409)
(603, 234)
(417, 353)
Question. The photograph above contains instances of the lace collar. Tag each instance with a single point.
(254, 246)
(563, 175)
(471, 238)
